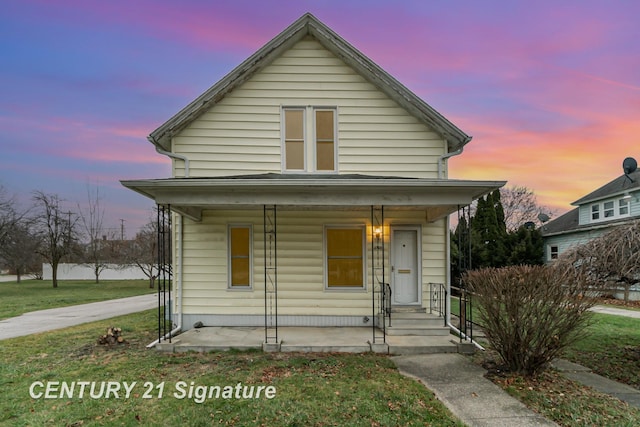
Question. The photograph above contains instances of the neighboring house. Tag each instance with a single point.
(615, 203)
(302, 182)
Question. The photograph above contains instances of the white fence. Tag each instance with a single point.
(85, 272)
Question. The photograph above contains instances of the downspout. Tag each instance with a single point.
(171, 155)
(178, 303)
(441, 161)
(446, 156)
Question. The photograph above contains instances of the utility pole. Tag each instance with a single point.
(121, 229)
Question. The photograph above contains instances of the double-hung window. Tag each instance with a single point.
(344, 257)
(240, 258)
(610, 209)
(309, 139)
(623, 207)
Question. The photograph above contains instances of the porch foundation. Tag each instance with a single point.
(305, 340)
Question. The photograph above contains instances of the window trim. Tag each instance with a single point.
(363, 230)
(599, 210)
(230, 285)
(335, 139)
(283, 140)
(623, 204)
(310, 145)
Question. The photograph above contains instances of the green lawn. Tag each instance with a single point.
(32, 295)
(611, 348)
(310, 389)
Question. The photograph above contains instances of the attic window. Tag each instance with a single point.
(623, 207)
(609, 210)
(309, 141)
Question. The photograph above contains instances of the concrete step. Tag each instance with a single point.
(421, 345)
(425, 321)
(420, 331)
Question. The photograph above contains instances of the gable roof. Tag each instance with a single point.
(570, 223)
(619, 185)
(310, 25)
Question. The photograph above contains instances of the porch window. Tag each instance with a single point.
(240, 256)
(309, 139)
(344, 257)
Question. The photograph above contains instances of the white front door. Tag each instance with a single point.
(404, 267)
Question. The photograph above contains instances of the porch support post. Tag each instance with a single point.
(165, 273)
(380, 297)
(270, 279)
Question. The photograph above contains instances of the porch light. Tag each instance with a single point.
(378, 233)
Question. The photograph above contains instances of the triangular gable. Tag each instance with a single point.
(620, 185)
(310, 25)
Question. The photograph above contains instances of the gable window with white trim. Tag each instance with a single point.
(609, 209)
(309, 139)
(344, 257)
(240, 259)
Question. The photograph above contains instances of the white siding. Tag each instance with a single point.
(241, 134)
(300, 263)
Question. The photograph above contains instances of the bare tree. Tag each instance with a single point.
(56, 229)
(7, 212)
(520, 206)
(91, 220)
(19, 248)
(614, 257)
(143, 251)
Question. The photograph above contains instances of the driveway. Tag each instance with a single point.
(57, 318)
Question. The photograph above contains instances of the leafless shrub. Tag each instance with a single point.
(531, 313)
(613, 259)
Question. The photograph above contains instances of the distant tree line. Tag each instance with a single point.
(502, 230)
(52, 231)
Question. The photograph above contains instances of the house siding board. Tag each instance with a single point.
(300, 237)
(241, 133)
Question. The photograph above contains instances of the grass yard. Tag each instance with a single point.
(611, 349)
(32, 295)
(311, 389)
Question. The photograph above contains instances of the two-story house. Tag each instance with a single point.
(309, 188)
(615, 203)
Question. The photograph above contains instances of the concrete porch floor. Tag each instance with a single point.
(310, 339)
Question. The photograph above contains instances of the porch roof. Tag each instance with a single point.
(190, 196)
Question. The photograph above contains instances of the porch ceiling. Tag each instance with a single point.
(190, 196)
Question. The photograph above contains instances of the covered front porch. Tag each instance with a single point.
(289, 217)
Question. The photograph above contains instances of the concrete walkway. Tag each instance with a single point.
(585, 376)
(616, 311)
(57, 318)
(462, 387)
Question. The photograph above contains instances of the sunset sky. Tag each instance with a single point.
(549, 90)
